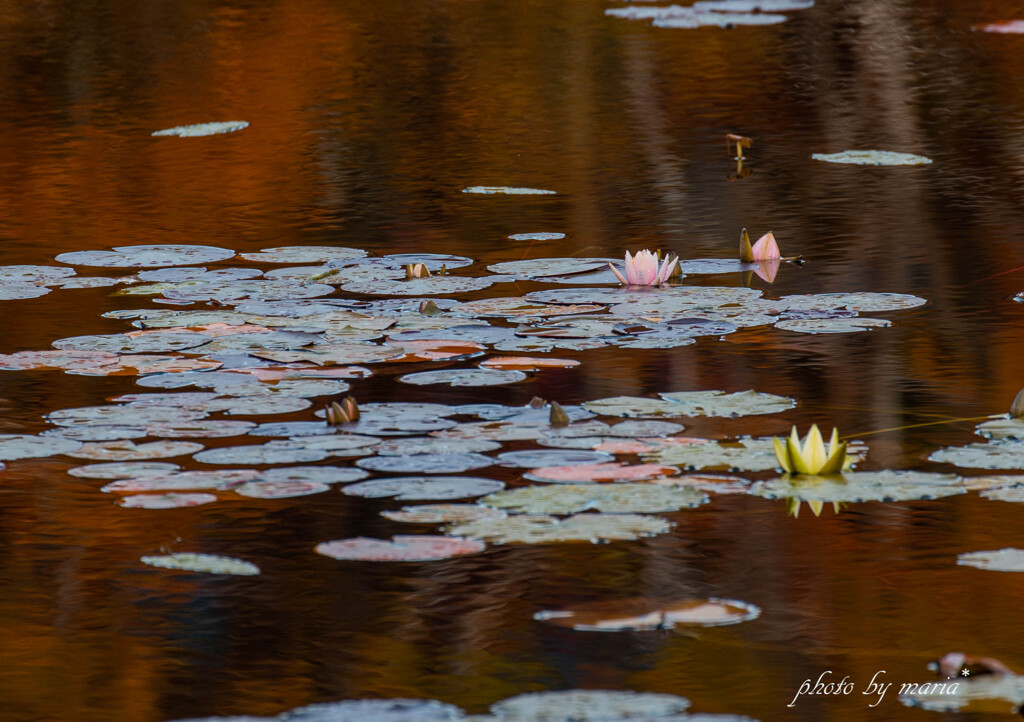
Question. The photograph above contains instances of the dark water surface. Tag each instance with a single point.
(367, 120)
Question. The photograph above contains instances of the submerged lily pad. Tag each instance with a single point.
(1003, 560)
(507, 190)
(613, 498)
(641, 614)
(208, 563)
(588, 705)
(147, 256)
(437, 488)
(857, 486)
(464, 377)
(872, 157)
(400, 548)
(202, 129)
(540, 529)
(426, 463)
(441, 513)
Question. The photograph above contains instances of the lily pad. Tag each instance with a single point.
(872, 157)
(432, 286)
(17, 291)
(442, 513)
(280, 489)
(123, 415)
(831, 325)
(24, 446)
(858, 486)
(540, 529)
(184, 481)
(255, 290)
(636, 429)
(550, 457)
(719, 403)
(1003, 560)
(534, 267)
(319, 474)
(635, 406)
(66, 360)
(303, 254)
(862, 302)
(614, 498)
(1013, 494)
(507, 190)
(165, 501)
(464, 377)
(400, 548)
(209, 563)
(447, 463)
(273, 452)
(718, 20)
(641, 614)
(542, 236)
(125, 450)
(147, 256)
(505, 307)
(432, 445)
(967, 695)
(1002, 454)
(527, 363)
(588, 705)
(203, 129)
(610, 472)
(124, 470)
(744, 454)
(1002, 428)
(335, 354)
(435, 488)
(374, 710)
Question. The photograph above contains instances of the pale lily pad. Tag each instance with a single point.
(549, 457)
(125, 450)
(209, 563)
(98, 433)
(165, 501)
(505, 307)
(124, 470)
(426, 463)
(1002, 428)
(33, 274)
(540, 529)
(432, 445)
(91, 282)
(872, 157)
(280, 489)
(400, 548)
(999, 694)
(261, 405)
(508, 190)
(200, 273)
(542, 236)
(269, 453)
(184, 481)
(744, 454)
(66, 360)
(718, 20)
(17, 291)
(1002, 454)
(319, 474)
(203, 129)
(1003, 560)
(635, 406)
(147, 256)
(375, 710)
(719, 403)
(23, 446)
(255, 289)
(613, 498)
(123, 415)
(831, 325)
(641, 614)
(207, 429)
(712, 483)
(1013, 494)
(442, 513)
(531, 268)
(863, 302)
(858, 486)
(753, 6)
(303, 254)
(588, 705)
(636, 429)
(435, 488)
(464, 377)
(594, 473)
(432, 286)
(527, 363)
(335, 354)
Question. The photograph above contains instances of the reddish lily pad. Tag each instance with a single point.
(400, 548)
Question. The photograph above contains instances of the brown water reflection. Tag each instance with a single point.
(366, 122)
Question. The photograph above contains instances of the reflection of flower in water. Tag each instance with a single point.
(816, 505)
(642, 269)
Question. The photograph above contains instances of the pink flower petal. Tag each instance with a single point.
(766, 248)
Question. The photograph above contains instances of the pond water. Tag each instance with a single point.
(366, 122)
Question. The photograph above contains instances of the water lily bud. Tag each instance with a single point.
(1017, 407)
(558, 416)
(416, 270)
(342, 413)
(537, 403)
(429, 308)
(746, 250)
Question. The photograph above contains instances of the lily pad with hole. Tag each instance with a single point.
(872, 157)
(434, 488)
(643, 614)
(198, 130)
(165, 501)
(464, 377)
(443, 513)
(859, 486)
(426, 463)
(400, 548)
(541, 529)
(613, 498)
(147, 256)
(207, 563)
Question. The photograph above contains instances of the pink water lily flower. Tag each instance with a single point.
(642, 269)
(766, 249)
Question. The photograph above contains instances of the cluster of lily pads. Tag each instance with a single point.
(575, 705)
